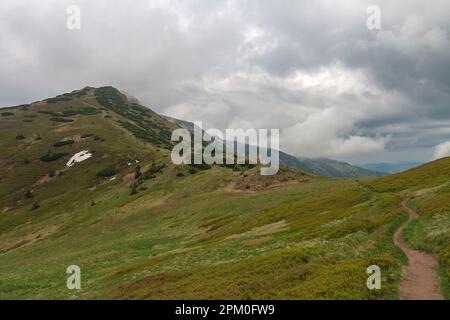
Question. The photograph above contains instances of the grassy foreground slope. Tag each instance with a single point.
(428, 188)
(139, 227)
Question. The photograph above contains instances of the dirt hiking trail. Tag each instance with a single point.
(419, 282)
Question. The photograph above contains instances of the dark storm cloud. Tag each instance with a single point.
(312, 69)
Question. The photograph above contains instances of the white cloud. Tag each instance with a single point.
(328, 134)
(442, 150)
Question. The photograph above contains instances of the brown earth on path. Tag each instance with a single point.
(419, 282)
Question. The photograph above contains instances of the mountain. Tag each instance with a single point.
(387, 167)
(39, 138)
(330, 168)
(321, 167)
(182, 123)
(139, 227)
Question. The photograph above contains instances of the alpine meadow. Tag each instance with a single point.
(226, 159)
(139, 226)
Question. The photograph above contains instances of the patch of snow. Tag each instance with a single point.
(79, 157)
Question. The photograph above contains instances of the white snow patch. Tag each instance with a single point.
(79, 157)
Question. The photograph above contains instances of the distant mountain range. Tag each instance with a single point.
(320, 166)
(390, 167)
(327, 167)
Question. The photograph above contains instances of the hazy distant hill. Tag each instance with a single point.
(328, 167)
(322, 166)
(386, 167)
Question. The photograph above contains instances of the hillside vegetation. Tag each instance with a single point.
(140, 227)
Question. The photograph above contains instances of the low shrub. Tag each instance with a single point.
(63, 143)
(87, 111)
(107, 172)
(137, 172)
(150, 173)
(52, 156)
(50, 113)
(60, 98)
(60, 119)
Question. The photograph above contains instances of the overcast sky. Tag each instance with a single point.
(311, 68)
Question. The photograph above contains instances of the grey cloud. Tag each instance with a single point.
(312, 69)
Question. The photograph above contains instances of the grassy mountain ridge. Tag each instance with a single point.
(334, 168)
(140, 227)
(99, 120)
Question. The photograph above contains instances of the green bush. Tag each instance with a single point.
(7, 114)
(150, 173)
(51, 113)
(59, 119)
(107, 172)
(60, 98)
(52, 156)
(138, 172)
(87, 111)
(63, 143)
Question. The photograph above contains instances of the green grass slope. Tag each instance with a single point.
(151, 230)
(428, 188)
